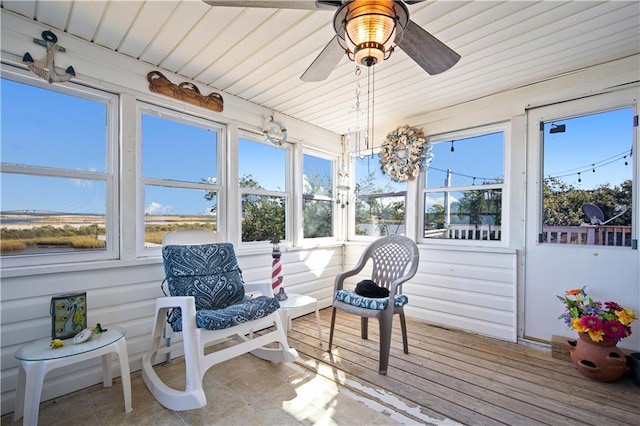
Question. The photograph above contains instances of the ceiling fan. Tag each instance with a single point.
(368, 31)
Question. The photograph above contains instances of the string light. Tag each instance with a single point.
(593, 166)
(569, 172)
(484, 180)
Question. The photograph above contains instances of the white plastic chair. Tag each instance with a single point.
(205, 245)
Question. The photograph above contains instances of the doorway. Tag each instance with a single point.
(582, 208)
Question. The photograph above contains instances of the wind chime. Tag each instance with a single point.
(363, 140)
(343, 180)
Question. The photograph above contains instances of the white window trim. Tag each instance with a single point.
(219, 187)
(422, 191)
(109, 176)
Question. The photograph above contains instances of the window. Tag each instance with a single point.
(380, 202)
(462, 195)
(180, 173)
(588, 179)
(317, 199)
(262, 173)
(58, 180)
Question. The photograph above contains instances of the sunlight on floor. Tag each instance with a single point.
(241, 391)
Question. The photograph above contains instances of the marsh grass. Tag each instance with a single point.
(84, 238)
(87, 242)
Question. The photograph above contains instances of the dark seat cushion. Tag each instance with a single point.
(210, 273)
(350, 297)
(247, 310)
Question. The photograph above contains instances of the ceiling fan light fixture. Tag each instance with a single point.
(369, 29)
(369, 53)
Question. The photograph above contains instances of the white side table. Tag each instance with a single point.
(38, 358)
(299, 304)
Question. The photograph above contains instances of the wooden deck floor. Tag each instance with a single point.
(451, 376)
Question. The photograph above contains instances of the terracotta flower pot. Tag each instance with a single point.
(602, 361)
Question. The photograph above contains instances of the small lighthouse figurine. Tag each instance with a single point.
(276, 270)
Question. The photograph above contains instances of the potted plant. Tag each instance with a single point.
(600, 327)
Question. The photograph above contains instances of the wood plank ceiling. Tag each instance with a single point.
(258, 54)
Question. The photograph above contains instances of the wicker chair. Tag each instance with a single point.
(394, 260)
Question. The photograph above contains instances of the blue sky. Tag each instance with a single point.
(38, 129)
(597, 142)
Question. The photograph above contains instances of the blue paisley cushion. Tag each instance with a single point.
(350, 297)
(208, 272)
(248, 310)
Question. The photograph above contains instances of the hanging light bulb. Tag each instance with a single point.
(367, 29)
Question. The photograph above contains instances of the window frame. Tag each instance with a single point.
(110, 176)
(182, 117)
(286, 194)
(504, 128)
(334, 193)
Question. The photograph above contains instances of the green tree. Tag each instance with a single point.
(263, 216)
(482, 205)
(563, 203)
(317, 211)
(384, 209)
(434, 217)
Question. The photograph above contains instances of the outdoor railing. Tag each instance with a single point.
(586, 234)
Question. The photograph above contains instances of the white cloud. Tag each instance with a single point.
(157, 208)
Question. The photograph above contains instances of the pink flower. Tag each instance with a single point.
(613, 330)
(592, 322)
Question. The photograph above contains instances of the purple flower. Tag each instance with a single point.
(613, 306)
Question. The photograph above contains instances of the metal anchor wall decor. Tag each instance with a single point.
(46, 68)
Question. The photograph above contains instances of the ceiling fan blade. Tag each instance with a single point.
(430, 53)
(325, 62)
(413, 1)
(277, 4)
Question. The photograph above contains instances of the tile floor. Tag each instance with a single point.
(241, 391)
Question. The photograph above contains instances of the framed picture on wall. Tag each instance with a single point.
(68, 315)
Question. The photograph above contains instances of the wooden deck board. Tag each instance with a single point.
(465, 377)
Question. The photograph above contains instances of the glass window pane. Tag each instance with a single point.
(588, 179)
(467, 215)
(262, 166)
(380, 202)
(470, 161)
(317, 218)
(263, 217)
(168, 209)
(317, 204)
(51, 215)
(40, 127)
(178, 151)
(316, 175)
